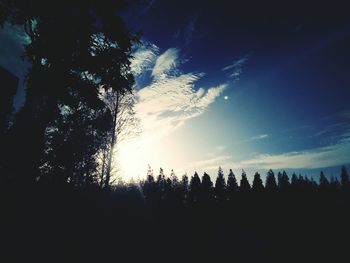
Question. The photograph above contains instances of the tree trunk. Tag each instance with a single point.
(113, 142)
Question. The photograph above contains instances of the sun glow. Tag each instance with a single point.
(133, 158)
(136, 155)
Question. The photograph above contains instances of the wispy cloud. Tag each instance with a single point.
(259, 137)
(211, 163)
(332, 129)
(163, 105)
(190, 30)
(235, 68)
(171, 98)
(165, 63)
(166, 104)
(220, 148)
(144, 58)
(321, 157)
(254, 138)
(333, 155)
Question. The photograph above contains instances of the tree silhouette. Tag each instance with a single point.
(334, 184)
(206, 187)
(232, 186)
(271, 184)
(324, 183)
(257, 183)
(220, 185)
(244, 184)
(283, 181)
(184, 185)
(124, 124)
(294, 181)
(9, 85)
(195, 187)
(149, 186)
(72, 61)
(344, 178)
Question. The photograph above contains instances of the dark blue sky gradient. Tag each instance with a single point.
(293, 87)
(295, 83)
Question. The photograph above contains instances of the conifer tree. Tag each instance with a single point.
(232, 185)
(324, 183)
(244, 184)
(220, 185)
(283, 181)
(294, 180)
(257, 183)
(344, 178)
(206, 187)
(195, 185)
(271, 184)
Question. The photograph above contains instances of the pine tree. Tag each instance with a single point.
(244, 184)
(344, 178)
(149, 187)
(232, 182)
(184, 188)
(161, 183)
(220, 185)
(283, 181)
(271, 184)
(257, 183)
(195, 187)
(294, 180)
(334, 184)
(324, 183)
(232, 186)
(206, 187)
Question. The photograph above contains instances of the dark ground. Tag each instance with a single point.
(91, 225)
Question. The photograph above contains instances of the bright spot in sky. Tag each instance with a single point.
(226, 98)
(134, 156)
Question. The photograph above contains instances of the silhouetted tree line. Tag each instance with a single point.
(280, 219)
(195, 189)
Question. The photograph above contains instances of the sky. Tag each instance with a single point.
(253, 86)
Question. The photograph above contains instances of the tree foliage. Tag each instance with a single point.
(78, 51)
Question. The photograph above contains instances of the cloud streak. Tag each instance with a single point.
(235, 68)
(259, 137)
(332, 155)
(316, 158)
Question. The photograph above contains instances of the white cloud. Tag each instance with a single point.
(254, 138)
(144, 59)
(172, 99)
(163, 106)
(165, 62)
(332, 155)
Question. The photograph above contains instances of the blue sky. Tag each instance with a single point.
(239, 85)
(282, 68)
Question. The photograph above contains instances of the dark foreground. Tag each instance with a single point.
(91, 225)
